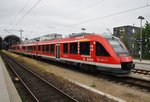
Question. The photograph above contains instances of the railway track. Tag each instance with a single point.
(137, 83)
(129, 81)
(40, 89)
(141, 71)
(140, 84)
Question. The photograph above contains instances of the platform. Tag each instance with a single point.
(8, 92)
(142, 61)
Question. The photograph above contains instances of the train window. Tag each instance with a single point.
(27, 48)
(74, 48)
(100, 50)
(43, 48)
(52, 49)
(47, 48)
(85, 48)
(65, 50)
(34, 48)
(23, 48)
(38, 47)
(31, 48)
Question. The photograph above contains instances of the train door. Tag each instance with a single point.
(57, 51)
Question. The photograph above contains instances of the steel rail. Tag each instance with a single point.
(141, 71)
(37, 77)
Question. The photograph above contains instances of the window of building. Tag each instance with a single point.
(85, 48)
(47, 48)
(43, 48)
(65, 50)
(74, 48)
(52, 49)
(39, 48)
(100, 50)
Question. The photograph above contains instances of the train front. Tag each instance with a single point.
(121, 51)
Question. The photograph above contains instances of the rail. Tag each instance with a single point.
(40, 89)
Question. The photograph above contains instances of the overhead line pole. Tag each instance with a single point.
(21, 31)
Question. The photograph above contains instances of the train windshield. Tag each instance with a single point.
(118, 46)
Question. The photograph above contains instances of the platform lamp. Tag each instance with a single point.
(141, 18)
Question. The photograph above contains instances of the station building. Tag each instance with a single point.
(126, 33)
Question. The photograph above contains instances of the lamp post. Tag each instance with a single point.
(83, 29)
(141, 18)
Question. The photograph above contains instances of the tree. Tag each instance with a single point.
(145, 40)
(146, 43)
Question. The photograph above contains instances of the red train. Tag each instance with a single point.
(90, 51)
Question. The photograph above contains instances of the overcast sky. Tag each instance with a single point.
(69, 16)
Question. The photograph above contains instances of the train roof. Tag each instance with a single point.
(73, 38)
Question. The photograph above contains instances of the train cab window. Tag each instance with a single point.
(47, 48)
(74, 48)
(65, 48)
(39, 48)
(85, 48)
(52, 49)
(100, 50)
(43, 48)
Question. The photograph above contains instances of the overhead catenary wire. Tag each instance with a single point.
(26, 13)
(106, 16)
(85, 21)
(19, 12)
(82, 9)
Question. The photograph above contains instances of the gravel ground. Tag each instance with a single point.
(79, 93)
(25, 97)
(127, 93)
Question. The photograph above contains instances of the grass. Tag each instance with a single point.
(93, 84)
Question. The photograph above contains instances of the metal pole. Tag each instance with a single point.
(141, 43)
(21, 31)
(21, 40)
(141, 18)
(110, 32)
